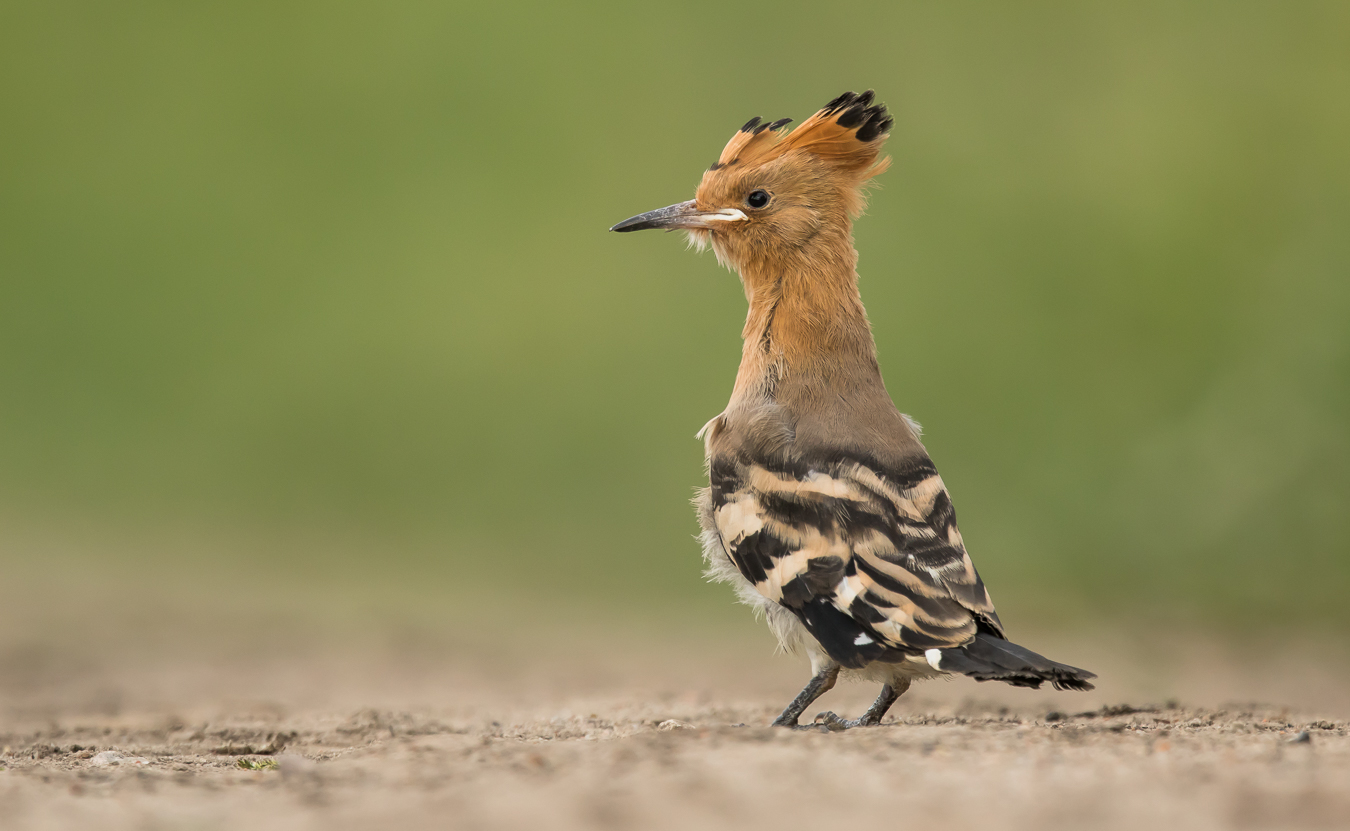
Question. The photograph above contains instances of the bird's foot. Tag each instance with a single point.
(794, 725)
(833, 723)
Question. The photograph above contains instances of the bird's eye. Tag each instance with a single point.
(757, 198)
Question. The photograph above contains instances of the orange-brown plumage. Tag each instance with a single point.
(795, 255)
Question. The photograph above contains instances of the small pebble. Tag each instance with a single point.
(112, 757)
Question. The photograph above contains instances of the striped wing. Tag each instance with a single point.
(870, 560)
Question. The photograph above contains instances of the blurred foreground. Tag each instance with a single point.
(582, 728)
(128, 702)
(692, 761)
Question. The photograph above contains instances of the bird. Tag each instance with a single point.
(823, 508)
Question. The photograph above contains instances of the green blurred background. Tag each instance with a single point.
(321, 294)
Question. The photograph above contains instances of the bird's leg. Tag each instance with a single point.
(815, 688)
(871, 718)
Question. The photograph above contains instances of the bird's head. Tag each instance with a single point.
(771, 193)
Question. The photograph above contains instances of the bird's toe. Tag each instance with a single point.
(796, 726)
(832, 722)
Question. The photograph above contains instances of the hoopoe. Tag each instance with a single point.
(824, 509)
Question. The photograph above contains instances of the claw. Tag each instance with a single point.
(794, 725)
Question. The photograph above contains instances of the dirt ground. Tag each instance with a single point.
(404, 730)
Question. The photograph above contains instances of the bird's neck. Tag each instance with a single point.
(806, 324)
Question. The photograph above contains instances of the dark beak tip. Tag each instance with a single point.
(668, 218)
(635, 223)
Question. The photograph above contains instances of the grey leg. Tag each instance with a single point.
(814, 689)
(872, 717)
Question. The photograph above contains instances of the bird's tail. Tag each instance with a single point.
(989, 658)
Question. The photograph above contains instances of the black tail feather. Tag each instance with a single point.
(989, 658)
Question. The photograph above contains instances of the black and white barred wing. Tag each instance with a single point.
(871, 563)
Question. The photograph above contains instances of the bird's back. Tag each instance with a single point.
(827, 503)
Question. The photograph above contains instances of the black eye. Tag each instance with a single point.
(757, 198)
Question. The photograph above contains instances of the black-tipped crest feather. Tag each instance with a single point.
(855, 110)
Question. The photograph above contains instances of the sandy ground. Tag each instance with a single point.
(167, 697)
(403, 729)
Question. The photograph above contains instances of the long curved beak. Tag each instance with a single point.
(684, 216)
